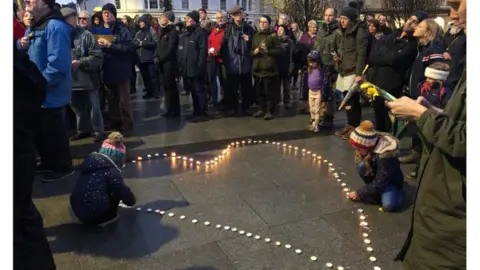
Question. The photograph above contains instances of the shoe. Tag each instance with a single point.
(326, 124)
(55, 176)
(259, 114)
(412, 175)
(109, 221)
(410, 158)
(344, 131)
(79, 136)
(268, 116)
(316, 129)
(98, 137)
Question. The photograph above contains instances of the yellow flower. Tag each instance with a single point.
(370, 89)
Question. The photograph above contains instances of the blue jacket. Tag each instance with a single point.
(235, 51)
(118, 59)
(386, 171)
(50, 49)
(427, 55)
(99, 185)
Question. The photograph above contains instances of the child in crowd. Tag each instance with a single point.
(100, 187)
(378, 167)
(315, 86)
(435, 92)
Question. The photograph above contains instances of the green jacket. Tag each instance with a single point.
(437, 238)
(353, 50)
(265, 65)
(328, 41)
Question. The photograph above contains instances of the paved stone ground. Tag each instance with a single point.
(263, 189)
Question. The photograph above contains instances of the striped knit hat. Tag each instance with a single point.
(364, 136)
(114, 148)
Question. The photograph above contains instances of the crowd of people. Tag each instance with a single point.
(88, 63)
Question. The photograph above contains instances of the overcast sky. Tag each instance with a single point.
(61, 2)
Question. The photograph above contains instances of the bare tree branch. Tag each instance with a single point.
(402, 9)
(300, 11)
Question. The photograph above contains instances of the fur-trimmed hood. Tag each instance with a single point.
(387, 146)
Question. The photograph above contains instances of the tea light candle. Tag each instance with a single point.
(373, 259)
(329, 265)
(367, 241)
(267, 240)
(194, 221)
(287, 246)
(278, 243)
(206, 223)
(218, 226)
(313, 258)
(298, 251)
(182, 217)
(369, 249)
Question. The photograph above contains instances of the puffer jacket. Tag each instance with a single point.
(100, 179)
(86, 49)
(353, 50)
(386, 170)
(265, 64)
(328, 42)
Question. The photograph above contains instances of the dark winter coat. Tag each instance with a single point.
(427, 55)
(284, 60)
(353, 50)
(328, 42)
(181, 43)
(390, 60)
(100, 180)
(118, 59)
(436, 94)
(235, 51)
(265, 64)
(149, 40)
(386, 171)
(438, 234)
(166, 53)
(195, 52)
(86, 49)
(288, 32)
(456, 46)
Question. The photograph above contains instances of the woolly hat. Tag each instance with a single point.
(194, 16)
(114, 148)
(110, 7)
(314, 55)
(364, 136)
(351, 13)
(169, 15)
(436, 74)
(421, 15)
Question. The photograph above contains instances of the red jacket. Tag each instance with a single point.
(215, 41)
(18, 30)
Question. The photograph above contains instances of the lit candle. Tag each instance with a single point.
(173, 154)
(303, 150)
(198, 162)
(363, 224)
(360, 210)
(290, 146)
(309, 152)
(313, 258)
(284, 145)
(165, 155)
(190, 159)
(139, 158)
(367, 241)
(369, 249)
(365, 234)
(346, 189)
(157, 154)
(343, 184)
(243, 142)
(314, 155)
(296, 148)
(149, 156)
(184, 158)
(362, 217)
(373, 259)
(267, 141)
(329, 265)
(134, 161)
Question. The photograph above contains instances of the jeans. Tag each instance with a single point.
(86, 106)
(391, 197)
(218, 70)
(51, 140)
(150, 79)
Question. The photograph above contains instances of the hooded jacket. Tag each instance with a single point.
(328, 42)
(86, 49)
(386, 170)
(265, 64)
(50, 49)
(118, 58)
(353, 50)
(148, 37)
(99, 185)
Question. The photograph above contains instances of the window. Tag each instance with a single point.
(153, 4)
(249, 4)
(118, 5)
(223, 4)
(205, 4)
(185, 4)
(238, 2)
(261, 6)
(244, 4)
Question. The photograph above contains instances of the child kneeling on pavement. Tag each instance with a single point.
(378, 167)
(100, 187)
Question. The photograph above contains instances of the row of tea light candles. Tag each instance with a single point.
(219, 158)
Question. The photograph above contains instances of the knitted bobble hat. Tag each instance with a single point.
(114, 148)
(364, 136)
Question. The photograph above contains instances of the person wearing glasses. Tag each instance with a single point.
(86, 61)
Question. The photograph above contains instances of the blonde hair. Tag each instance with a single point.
(115, 138)
(440, 66)
(433, 29)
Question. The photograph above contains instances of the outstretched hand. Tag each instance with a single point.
(406, 108)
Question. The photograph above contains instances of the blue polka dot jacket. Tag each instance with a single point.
(99, 185)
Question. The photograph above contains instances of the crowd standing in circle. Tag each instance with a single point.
(88, 62)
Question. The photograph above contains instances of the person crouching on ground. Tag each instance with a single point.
(378, 167)
(100, 187)
(315, 86)
(435, 93)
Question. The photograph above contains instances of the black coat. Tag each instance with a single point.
(390, 60)
(167, 46)
(456, 46)
(427, 55)
(148, 37)
(195, 52)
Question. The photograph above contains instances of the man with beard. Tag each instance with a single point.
(389, 62)
(195, 64)
(235, 52)
(328, 44)
(438, 235)
(384, 29)
(48, 43)
(166, 62)
(455, 43)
